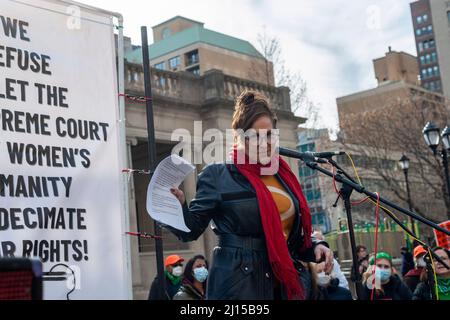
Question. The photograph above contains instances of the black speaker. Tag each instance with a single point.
(20, 279)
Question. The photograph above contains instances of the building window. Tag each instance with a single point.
(428, 58)
(432, 86)
(420, 46)
(438, 85)
(160, 66)
(448, 16)
(424, 74)
(135, 77)
(422, 19)
(192, 58)
(160, 81)
(195, 70)
(318, 219)
(166, 33)
(436, 71)
(433, 57)
(174, 62)
(424, 30)
(422, 60)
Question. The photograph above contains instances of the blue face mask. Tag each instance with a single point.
(200, 274)
(383, 274)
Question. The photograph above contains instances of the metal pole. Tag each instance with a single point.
(123, 152)
(447, 177)
(152, 157)
(362, 189)
(346, 193)
(408, 192)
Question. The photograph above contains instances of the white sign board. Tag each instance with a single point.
(60, 170)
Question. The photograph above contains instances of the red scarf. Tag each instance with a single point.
(279, 257)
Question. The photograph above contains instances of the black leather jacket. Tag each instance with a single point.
(240, 268)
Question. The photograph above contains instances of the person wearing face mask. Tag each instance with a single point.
(388, 285)
(337, 272)
(194, 281)
(423, 289)
(412, 278)
(327, 284)
(173, 272)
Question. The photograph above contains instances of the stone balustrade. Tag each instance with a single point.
(192, 89)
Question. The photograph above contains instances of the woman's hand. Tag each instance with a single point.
(179, 194)
(324, 254)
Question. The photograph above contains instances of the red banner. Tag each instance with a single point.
(442, 239)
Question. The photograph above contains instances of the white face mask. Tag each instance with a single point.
(421, 262)
(177, 271)
(200, 274)
(383, 274)
(323, 279)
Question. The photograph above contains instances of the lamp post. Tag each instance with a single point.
(432, 139)
(404, 165)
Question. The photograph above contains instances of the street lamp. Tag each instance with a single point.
(404, 165)
(431, 136)
(432, 139)
(446, 137)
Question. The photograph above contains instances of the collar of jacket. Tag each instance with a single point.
(190, 289)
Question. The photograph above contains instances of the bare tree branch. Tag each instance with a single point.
(396, 128)
(270, 48)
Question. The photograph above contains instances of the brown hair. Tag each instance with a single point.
(251, 105)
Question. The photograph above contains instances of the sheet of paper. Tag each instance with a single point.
(162, 205)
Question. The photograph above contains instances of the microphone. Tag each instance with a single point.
(309, 156)
(327, 155)
(305, 156)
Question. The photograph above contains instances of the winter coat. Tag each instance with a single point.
(240, 267)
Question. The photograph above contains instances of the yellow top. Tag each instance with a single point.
(283, 201)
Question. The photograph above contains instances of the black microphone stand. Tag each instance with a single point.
(345, 193)
(348, 185)
(361, 189)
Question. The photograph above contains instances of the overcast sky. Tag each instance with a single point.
(330, 42)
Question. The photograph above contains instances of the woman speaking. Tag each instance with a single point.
(262, 220)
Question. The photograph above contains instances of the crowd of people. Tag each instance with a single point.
(189, 284)
(380, 280)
